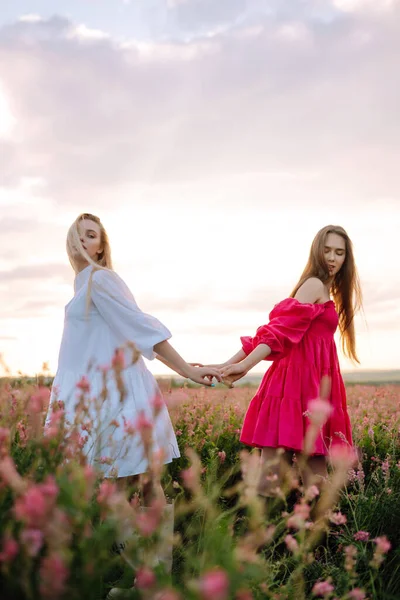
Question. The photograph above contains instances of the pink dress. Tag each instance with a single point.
(303, 350)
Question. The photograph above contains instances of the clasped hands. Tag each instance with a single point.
(224, 373)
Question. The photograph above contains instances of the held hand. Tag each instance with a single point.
(204, 375)
(233, 373)
(209, 377)
(182, 374)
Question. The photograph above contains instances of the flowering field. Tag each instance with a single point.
(58, 520)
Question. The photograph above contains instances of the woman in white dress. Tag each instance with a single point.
(101, 317)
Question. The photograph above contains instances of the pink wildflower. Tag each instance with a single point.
(32, 507)
(32, 540)
(157, 404)
(222, 456)
(291, 543)
(382, 544)
(322, 588)
(214, 584)
(49, 488)
(319, 411)
(9, 550)
(190, 479)
(382, 547)
(357, 594)
(145, 427)
(311, 493)
(301, 513)
(338, 518)
(40, 400)
(53, 577)
(83, 384)
(4, 435)
(118, 360)
(53, 426)
(361, 536)
(342, 456)
(107, 489)
(145, 578)
(9, 474)
(148, 519)
(23, 436)
(385, 466)
(176, 398)
(129, 427)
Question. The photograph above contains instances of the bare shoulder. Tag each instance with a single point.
(311, 291)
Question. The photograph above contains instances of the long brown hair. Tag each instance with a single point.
(345, 288)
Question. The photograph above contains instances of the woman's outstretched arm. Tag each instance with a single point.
(174, 361)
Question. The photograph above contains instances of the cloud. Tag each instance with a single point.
(82, 33)
(14, 226)
(30, 18)
(31, 229)
(287, 94)
(229, 329)
(152, 304)
(366, 6)
(260, 300)
(40, 272)
(29, 291)
(39, 305)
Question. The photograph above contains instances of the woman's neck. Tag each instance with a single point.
(81, 265)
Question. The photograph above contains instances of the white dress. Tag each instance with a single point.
(89, 341)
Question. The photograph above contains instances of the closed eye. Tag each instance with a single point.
(339, 251)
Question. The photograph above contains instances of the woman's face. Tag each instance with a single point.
(335, 253)
(90, 236)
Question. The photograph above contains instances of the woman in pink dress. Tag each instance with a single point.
(299, 339)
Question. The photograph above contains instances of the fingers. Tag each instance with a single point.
(210, 373)
(206, 380)
(217, 374)
(228, 382)
(226, 371)
(195, 364)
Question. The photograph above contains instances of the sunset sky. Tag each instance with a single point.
(214, 138)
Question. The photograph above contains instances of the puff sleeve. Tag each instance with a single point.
(116, 304)
(289, 320)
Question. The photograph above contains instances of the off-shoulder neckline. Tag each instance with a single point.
(311, 303)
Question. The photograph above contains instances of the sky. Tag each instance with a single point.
(214, 139)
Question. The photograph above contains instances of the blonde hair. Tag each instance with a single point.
(345, 289)
(74, 244)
